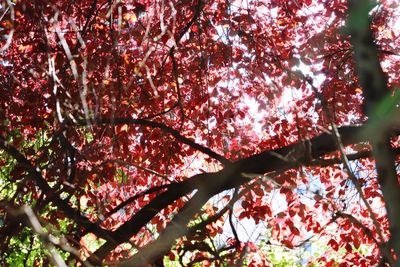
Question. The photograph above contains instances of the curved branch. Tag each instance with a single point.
(165, 128)
(53, 196)
(135, 197)
(143, 216)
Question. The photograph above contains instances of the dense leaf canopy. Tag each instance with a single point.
(160, 132)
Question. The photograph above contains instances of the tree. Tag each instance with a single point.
(137, 132)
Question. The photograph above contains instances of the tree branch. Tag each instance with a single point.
(175, 229)
(165, 128)
(231, 177)
(51, 195)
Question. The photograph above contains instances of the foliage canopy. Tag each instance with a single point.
(146, 132)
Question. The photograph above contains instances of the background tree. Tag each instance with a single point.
(135, 130)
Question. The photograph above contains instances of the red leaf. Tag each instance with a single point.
(294, 230)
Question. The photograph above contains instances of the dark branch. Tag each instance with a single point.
(51, 195)
(212, 183)
(165, 128)
(175, 229)
(135, 197)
